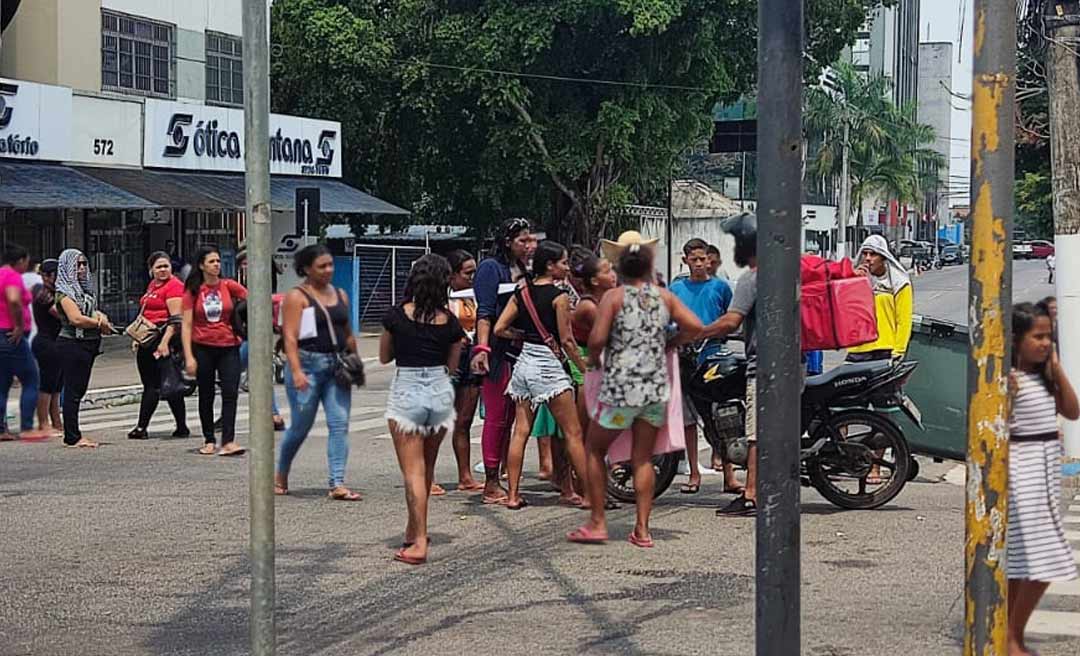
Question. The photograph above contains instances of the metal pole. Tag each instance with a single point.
(990, 309)
(260, 332)
(845, 193)
(779, 381)
(668, 231)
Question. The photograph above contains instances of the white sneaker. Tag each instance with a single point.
(478, 467)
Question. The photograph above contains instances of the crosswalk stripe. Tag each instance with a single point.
(1050, 622)
(1072, 520)
(1074, 508)
(1065, 588)
(163, 420)
(1072, 535)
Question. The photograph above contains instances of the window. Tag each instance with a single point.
(137, 56)
(224, 69)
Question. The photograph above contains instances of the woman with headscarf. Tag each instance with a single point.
(79, 341)
(47, 320)
(893, 300)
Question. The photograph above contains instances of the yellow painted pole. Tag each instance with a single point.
(990, 303)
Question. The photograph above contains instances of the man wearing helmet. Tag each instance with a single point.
(742, 312)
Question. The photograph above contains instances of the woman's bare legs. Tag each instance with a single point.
(465, 403)
(1024, 596)
(597, 444)
(564, 408)
(413, 453)
(644, 475)
(515, 457)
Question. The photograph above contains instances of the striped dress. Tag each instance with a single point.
(1037, 548)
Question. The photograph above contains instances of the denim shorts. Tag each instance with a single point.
(538, 376)
(421, 400)
(614, 418)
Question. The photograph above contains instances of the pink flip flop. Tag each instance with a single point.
(585, 535)
(638, 542)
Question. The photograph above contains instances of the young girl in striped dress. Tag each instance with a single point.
(1038, 553)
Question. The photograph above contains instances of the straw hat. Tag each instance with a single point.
(612, 249)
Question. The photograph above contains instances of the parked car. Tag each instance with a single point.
(1022, 250)
(1041, 249)
(951, 254)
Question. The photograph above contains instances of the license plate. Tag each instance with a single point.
(912, 409)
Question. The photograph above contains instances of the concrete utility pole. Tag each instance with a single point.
(779, 380)
(1063, 80)
(845, 193)
(992, 174)
(260, 330)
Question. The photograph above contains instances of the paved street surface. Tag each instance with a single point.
(141, 548)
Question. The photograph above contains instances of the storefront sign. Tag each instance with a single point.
(35, 121)
(106, 132)
(206, 138)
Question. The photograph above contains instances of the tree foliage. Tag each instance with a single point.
(467, 111)
(889, 152)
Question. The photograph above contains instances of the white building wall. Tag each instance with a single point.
(191, 15)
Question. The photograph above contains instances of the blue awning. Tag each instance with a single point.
(27, 185)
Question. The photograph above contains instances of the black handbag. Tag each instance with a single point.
(348, 367)
(172, 383)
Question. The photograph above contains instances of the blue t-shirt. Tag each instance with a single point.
(708, 299)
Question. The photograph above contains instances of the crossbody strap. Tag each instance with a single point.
(526, 299)
(329, 322)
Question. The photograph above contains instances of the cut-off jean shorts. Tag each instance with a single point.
(538, 376)
(421, 400)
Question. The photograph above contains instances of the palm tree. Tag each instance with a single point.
(888, 149)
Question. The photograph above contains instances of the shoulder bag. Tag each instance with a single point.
(348, 367)
(142, 331)
(549, 340)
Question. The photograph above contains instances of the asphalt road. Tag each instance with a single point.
(141, 548)
(943, 294)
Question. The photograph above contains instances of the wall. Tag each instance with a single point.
(79, 44)
(106, 132)
(30, 43)
(935, 109)
(190, 15)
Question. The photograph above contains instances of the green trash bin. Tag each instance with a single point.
(939, 388)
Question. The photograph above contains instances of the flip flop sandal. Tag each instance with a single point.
(500, 501)
(475, 487)
(280, 491)
(639, 542)
(521, 504)
(437, 490)
(740, 507)
(690, 488)
(585, 535)
(572, 502)
(348, 496)
(207, 450)
(229, 454)
(401, 557)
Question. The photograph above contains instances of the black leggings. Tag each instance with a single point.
(218, 362)
(77, 357)
(150, 375)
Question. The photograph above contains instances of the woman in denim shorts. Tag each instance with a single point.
(539, 376)
(425, 338)
(630, 330)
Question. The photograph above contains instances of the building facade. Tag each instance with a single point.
(935, 110)
(888, 45)
(127, 137)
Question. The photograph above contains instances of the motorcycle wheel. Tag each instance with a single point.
(620, 483)
(833, 473)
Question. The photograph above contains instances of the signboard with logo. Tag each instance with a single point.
(106, 132)
(35, 121)
(206, 138)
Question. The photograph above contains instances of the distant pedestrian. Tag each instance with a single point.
(631, 334)
(1051, 266)
(316, 331)
(539, 316)
(31, 279)
(245, 348)
(16, 358)
(50, 364)
(1038, 550)
(1049, 305)
(425, 339)
(79, 342)
(212, 347)
(161, 305)
(466, 383)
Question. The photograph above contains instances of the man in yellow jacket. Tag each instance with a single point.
(893, 300)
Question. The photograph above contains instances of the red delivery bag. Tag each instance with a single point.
(837, 306)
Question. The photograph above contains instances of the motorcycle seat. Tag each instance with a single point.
(848, 369)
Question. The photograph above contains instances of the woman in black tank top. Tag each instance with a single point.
(315, 328)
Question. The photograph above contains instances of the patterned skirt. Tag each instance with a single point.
(1037, 548)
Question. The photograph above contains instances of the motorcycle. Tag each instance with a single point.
(846, 431)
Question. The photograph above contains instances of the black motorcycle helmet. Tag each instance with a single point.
(743, 227)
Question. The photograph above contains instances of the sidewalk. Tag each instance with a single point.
(115, 380)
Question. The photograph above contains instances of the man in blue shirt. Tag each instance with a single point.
(707, 297)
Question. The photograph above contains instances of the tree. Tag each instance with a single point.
(889, 151)
(468, 110)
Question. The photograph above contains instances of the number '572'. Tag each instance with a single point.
(103, 147)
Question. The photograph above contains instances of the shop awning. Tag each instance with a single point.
(26, 185)
(175, 190)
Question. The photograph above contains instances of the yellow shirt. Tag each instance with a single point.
(893, 322)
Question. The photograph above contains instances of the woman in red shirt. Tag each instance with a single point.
(161, 305)
(211, 347)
